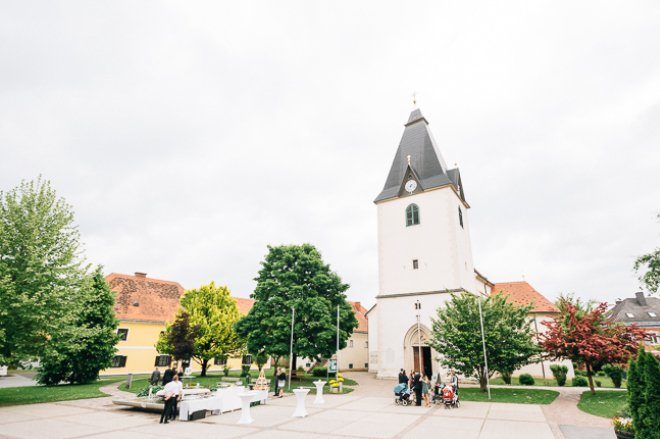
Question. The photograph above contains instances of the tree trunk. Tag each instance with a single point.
(483, 383)
(591, 379)
(205, 363)
(294, 366)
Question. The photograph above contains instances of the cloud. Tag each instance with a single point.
(188, 136)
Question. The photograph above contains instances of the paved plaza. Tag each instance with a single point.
(369, 412)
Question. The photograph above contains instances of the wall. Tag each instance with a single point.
(357, 355)
(439, 243)
(140, 351)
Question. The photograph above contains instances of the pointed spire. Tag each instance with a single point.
(415, 116)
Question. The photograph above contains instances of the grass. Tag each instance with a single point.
(606, 404)
(212, 379)
(519, 396)
(606, 382)
(62, 392)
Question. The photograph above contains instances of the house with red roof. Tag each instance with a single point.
(521, 293)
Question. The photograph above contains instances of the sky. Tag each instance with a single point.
(190, 135)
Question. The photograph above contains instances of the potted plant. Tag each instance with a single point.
(623, 428)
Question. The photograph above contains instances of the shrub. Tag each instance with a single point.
(145, 391)
(580, 373)
(598, 383)
(600, 373)
(644, 394)
(506, 377)
(559, 372)
(580, 381)
(320, 372)
(226, 371)
(615, 373)
(526, 379)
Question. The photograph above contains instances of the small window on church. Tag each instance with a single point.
(460, 216)
(415, 264)
(412, 215)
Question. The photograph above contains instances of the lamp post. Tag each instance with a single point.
(418, 307)
(483, 342)
(293, 319)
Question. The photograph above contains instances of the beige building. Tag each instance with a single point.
(144, 306)
(355, 356)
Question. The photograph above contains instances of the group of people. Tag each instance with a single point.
(421, 385)
(173, 389)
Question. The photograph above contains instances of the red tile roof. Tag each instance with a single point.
(141, 298)
(244, 305)
(522, 293)
(361, 316)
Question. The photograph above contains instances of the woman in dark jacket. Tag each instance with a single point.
(417, 388)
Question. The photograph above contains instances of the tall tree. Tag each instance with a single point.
(508, 335)
(40, 268)
(644, 394)
(583, 334)
(213, 313)
(86, 346)
(648, 267)
(178, 339)
(295, 276)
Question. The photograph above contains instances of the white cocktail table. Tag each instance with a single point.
(246, 399)
(301, 410)
(319, 392)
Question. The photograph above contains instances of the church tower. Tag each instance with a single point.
(424, 252)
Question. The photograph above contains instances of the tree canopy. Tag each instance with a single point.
(40, 269)
(210, 313)
(80, 350)
(456, 335)
(583, 334)
(295, 276)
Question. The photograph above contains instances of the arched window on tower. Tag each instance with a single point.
(412, 215)
(460, 216)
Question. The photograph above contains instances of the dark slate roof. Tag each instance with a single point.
(425, 159)
(639, 306)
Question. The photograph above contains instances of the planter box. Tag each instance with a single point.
(624, 434)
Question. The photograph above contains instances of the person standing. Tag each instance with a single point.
(403, 378)
(454, 381)
(281, 383)
(172, 392)
(167, 376)
(179, 395)
(417, 388)
(426, 389)
(155, 377)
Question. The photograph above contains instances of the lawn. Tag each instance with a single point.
(212, 380)
(63, 392)
(606, 382)
(606, 404)
(519, 396)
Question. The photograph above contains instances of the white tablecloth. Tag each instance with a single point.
(223, 400)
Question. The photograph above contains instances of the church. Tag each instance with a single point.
(424, 255)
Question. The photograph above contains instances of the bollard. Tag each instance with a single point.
(129, 381)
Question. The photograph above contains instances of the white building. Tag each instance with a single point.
(424, 253)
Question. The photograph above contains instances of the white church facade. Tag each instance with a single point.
(424, 253)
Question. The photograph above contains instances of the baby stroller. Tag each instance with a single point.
(403, 394)
(450, 398)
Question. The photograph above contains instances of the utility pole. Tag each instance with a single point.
(483, 342)
(293, 319)
(337, 351)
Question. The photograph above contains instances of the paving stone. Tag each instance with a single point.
(193, 430)
(578, 432)
(433, 426)
(516, 412)
(499, 429)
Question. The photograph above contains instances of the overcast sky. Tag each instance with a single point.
(190, 135)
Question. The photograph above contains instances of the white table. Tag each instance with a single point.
(319, 392)
(301, 410)
(246, 400)
(188, 406)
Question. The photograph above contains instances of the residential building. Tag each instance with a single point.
(643, 311)
(355, 356)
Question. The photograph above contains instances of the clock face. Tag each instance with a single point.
(411, 185)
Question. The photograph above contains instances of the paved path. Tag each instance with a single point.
(368, 412)
(16, 380)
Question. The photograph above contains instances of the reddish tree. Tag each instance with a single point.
(586, 336)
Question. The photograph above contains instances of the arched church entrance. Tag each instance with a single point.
(417, 353)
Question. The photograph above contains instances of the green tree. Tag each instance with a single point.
(40, 268)
(644, 395)
(213, 313)
(295, 276)
(86, 345)
(178, 339)
(457, 335)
